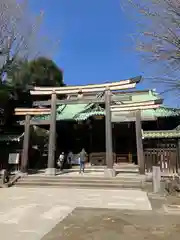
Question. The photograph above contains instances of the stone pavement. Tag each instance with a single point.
(105, 224)
(31, 213)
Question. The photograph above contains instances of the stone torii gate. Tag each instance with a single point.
(28, 112)
(107, 88)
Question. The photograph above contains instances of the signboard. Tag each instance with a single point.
(13, 158)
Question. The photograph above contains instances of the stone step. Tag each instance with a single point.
(104, 185)
(79, 179)
(85, 174)
(122, 168)
(119, 169)
(90, 176)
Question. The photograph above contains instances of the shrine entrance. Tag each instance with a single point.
(76, 95)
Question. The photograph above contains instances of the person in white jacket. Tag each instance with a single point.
(60, 162)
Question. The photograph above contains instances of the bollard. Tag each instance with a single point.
(156, 179)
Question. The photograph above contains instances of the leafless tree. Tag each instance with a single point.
(158, 37)
(20, 35)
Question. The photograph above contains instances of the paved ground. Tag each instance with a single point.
(80, 214)
(31, 213)
(96, 224)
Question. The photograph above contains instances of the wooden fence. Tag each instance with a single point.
(166, 158)
(99, 158)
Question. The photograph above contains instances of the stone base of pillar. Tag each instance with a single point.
(109, 172)
(50, 171)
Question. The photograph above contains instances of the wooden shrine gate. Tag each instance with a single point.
(166, 158)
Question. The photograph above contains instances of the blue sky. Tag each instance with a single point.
(95, 46)
(95, 40)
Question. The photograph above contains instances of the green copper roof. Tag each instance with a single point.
(84, 111)
(161, 134)
(161, 112)
(96, 111)
(67, 112)
(174, 133)
(70, 111)
(85, 116)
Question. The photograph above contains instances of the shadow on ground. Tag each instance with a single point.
(105, 224)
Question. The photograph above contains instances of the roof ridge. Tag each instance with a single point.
(169, 108)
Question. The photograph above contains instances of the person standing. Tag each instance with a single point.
(69, 158)
(60, 162)
(82, 159)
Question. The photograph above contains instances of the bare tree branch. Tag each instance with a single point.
(158, 36)
(20, 35)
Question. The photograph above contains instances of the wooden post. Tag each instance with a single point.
(139, 143)
(178, 156)
(156, 179)
(25, 153)
(130, 142)
(52, 138)
(130, 157)
(114, 141)
(109, 150)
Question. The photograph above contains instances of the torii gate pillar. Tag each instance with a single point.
(51, 170)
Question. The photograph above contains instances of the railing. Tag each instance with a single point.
(100, 158)
(166, 158)
(122, 158)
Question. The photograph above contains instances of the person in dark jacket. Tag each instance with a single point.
(82, 159)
